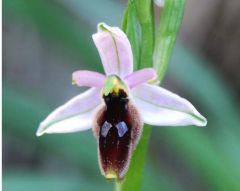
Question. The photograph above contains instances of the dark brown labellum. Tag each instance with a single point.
(117, 127)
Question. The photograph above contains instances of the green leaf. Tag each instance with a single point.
(130, 26)
(168, 27)
(145, 17)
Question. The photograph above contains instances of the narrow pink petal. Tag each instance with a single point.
(75, 115)
(161, 107)
(88, 78)
(114, 50)
(140, 76)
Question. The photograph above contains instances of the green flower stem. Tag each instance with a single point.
(168, 27)
(138, 24)
(146, 20)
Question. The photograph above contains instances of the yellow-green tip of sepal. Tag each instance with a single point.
(74, 82)
(113, 84)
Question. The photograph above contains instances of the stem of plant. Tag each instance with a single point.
(151, 51)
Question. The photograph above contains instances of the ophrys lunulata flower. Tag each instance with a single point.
(118, 103)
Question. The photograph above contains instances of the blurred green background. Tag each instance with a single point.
(44, 41)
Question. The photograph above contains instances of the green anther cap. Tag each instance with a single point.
(113, 84)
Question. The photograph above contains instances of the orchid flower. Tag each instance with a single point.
(118, 103)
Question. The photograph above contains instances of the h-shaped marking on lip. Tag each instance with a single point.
(121, 127)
